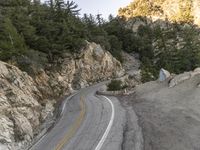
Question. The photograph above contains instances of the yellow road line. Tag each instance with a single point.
(74, 127)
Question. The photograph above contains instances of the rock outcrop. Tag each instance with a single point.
(162, 13)
(165, 10)
(19, 105)
(25, 102)
(182, 77)
(92, 65)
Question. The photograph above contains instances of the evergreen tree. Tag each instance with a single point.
(11, 42)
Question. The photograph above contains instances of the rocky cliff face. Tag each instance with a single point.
(162, 13)
(19, 105)
(25, 102)
(171, 10)
(92, 65)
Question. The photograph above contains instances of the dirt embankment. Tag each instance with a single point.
(169, 117)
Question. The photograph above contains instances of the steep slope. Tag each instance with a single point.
(171, 10)
(166, 34)
(169, 115)
(25, 101)
(20, 108)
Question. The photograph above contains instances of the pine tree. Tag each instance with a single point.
(11, 43)
(72, 8)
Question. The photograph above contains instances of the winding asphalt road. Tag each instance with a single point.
(88, 122)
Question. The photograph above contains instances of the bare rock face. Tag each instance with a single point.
(25, 102)
(196, 11)
(96, 65)
(22, 127)
(92, 65)
(165, 10)
(48, 110)
(18, 104)
(6, 129)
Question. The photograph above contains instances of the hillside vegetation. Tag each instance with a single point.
(43, 32)
(167, 32)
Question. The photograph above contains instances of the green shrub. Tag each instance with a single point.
(115, 85)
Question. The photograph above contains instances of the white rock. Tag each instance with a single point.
(163, 75)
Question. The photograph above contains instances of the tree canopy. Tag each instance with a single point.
(51, 29)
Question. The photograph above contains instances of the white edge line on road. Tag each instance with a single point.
(66, 101)
(100, 144)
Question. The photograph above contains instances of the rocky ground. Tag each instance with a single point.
(26, 102)
(168, 112)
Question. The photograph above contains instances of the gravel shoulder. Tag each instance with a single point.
(169, 117)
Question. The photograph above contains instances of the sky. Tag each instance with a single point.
(104, 7)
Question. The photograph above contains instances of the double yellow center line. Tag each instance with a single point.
(74, 127)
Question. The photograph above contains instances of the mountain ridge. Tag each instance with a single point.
(181, 11)
(164, 38)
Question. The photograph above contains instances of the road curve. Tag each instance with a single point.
(87, 122)
(99, 146)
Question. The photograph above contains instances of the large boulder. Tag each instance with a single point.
(163, 75)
